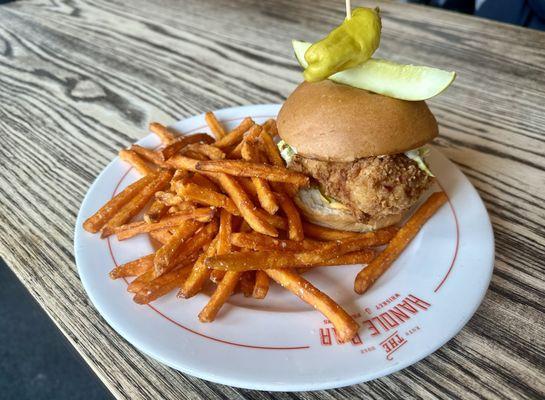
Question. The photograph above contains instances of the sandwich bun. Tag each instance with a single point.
(334, 122)
(319, 212)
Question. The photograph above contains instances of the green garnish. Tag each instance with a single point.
(417, 155)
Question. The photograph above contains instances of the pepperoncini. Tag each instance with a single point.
(348, 45)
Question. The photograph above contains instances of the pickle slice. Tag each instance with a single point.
(405, 82)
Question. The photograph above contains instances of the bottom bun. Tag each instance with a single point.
(319, 211)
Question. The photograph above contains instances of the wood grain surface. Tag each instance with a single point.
(81, 79)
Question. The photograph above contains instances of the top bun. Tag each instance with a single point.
(331, 121)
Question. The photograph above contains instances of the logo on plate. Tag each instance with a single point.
(392, 343)
(386, 316)
(326, 335)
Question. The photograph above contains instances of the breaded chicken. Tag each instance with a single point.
(369, 187)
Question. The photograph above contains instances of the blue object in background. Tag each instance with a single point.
(528, 13)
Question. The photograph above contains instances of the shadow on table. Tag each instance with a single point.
(36, 361)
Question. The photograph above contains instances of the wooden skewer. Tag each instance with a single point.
(348, 9)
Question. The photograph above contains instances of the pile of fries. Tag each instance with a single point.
(219, 209)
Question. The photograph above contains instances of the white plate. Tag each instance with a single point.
(280, 343)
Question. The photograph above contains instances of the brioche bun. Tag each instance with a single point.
(335, 122)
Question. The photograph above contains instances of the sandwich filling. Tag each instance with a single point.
(371, 187)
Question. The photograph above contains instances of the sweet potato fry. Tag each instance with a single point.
(233, 152)
(183, 206)
(364, 256)
(96, 221)
(162, 236)
(199, 273)
(127, 231)
(356, 257)
(245, 205)
(227, 281)
(257, 241)
(165, 134)
(137, 203)
(344, 324)
(283, 259)
(166, 256)
(295, 226)
(270, 127)
(367, 276)
(274, 157)
(179, 175)
(253, 133)
(215, 126)
(271, 149)
(275, 220)
(156, 211)
(248, 187)
(182, 162)
(224, 233)
(186, 249)
(140, 281)
(135, 161)
(376, 238)
(244, 227)
(169, 199)
(176, 145)
(323, 233)
(203, 181)
(162, 285)
(264, 193)
(236, 152)
(235, 136)
(206, 196)
(133, 268)
(289, 188)
(216, 275)
(382, 236)
(207, 150)
(221, 245)
(249, 169)
(147, 154)
(261, 287)
(247, 283)
(240, 168)
(193, 154)
(223, 291)
(197, 277)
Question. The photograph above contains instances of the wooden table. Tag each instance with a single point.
(80, 80)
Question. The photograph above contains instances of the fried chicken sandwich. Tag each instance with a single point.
(363, 151)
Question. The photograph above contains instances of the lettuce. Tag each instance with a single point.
(286, 151)
(417, 155)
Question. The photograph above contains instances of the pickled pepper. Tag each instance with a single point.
(348, 45)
